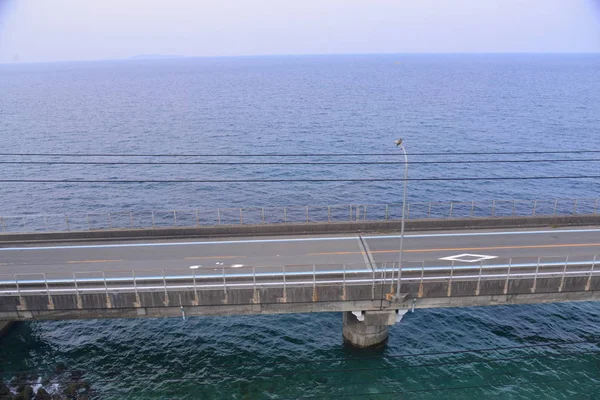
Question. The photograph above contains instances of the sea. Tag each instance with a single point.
(450, 107)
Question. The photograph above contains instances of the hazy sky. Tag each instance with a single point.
(52, 30)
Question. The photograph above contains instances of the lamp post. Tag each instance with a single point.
(400, 144)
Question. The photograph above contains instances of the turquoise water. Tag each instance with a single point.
(306, 104)
(302, 356)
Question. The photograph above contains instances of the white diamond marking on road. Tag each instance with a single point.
(470, 258)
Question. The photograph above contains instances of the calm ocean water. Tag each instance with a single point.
(334, 104)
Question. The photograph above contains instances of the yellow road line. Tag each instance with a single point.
(212, 257)
(92, 261)
(541, 246)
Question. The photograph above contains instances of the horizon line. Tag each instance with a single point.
(165, 57)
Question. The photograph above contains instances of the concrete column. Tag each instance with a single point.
(372, 330)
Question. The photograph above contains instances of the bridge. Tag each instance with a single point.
(73, 275)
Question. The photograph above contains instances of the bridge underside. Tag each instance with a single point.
(375, 297)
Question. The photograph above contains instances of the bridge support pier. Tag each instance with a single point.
(369, 328)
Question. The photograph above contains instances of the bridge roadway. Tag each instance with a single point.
(297, 254)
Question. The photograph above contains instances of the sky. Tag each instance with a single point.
(61, 30)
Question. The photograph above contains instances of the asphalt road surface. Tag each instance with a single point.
(273, 254)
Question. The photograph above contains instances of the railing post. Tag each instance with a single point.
(131, 218)
(255, 295)
(562, 279)
(110, 224)
(105, 284)
(87, 216)
(224, 283)
(285, 215)
(596, 206)
(46, 283)
(46, 223)
(314, 298)
(344, 282)
(493, 208)
(307, 218)
(137, 296)
(262, 210)
(17, 284)
(50, 302)
(513, 208)
(364, 212)
(241, 216)
(407, 211)
(284, 284)
(392, 278)
(75, 283)
(555, 206)
(399, 279)
(450, 280)
(3, 225)
(429, 211)
(534, 207)
(166, 302)
(197, 217)
(195, 287)
(373, 287)
(386, 212)
(478, 290)
(472, 208)
(351, 215)
(219, 215)
(421, 283)
(589, 282)
(451, 208)
(328, 213)
(507, 276)
(175, 218)
(537, 270)
(24, 226)
(575, 207)
(67, 221)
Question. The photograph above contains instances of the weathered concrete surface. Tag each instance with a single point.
(363, 334)
(299, 299)
(305, 228)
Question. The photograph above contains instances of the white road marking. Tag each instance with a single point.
(470, 258)
(313, 239)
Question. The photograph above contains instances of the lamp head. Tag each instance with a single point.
(398, 142)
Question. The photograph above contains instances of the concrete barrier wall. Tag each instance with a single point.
(322, 298)
(305, 228)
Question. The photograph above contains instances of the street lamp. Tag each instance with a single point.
(399, 144)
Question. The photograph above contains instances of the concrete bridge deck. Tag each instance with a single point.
(299, 274)
(295, 253)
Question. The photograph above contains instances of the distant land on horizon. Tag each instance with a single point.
(154, 56)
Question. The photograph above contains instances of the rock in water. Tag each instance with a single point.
(42, 395)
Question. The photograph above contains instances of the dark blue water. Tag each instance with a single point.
(341, 104)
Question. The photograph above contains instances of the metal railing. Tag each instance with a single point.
(295, 215)
(343, 275)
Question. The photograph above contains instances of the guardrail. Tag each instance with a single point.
(294, 215)
(285, 277)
